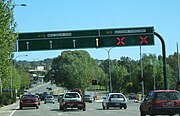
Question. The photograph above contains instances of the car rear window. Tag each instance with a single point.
(29, 96)
(72, 95)
(168, 96)
(49, 96)
(86, 96)
(116, 96)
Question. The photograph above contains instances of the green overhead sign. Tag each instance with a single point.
(118, 37)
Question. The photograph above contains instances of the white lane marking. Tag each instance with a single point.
(14, 111)
(60, 114)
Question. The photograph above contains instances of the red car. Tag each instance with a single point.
(72, 100)
(29, 100)
(161, 102)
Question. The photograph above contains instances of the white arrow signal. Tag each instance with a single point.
(97, 42)
(50, 44)
(74, 43)
(27, 45)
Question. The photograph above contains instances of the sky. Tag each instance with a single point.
(65, 15)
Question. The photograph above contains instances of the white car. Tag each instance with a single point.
(114, 100)
(49, 99)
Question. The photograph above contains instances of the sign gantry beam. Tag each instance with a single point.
(117, 37)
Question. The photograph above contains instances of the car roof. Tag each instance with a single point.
(115, 93)
(72, 92)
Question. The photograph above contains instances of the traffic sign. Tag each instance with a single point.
(118, 37)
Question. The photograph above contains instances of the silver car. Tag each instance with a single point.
(114, 100)
(49, 99)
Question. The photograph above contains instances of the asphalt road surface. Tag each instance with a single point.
(49, 109)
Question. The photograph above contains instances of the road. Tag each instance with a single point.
(93, 109)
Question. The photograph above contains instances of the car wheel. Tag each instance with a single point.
(151, 113)
(60, 108)
(125, 107)
(103, 107)
(37, 107)
(44, 102)
(142, 113)
(64, 109)
(120, 107)
(84, 109)
(107, 107)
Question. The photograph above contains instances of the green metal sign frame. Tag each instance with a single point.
(117, 37)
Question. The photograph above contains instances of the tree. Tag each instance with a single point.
(7, 40)
(76, 69)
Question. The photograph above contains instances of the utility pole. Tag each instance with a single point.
(110, 78)
(142, 83)
(178, 62)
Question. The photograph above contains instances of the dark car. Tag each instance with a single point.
(133, 96)
(161, 102)
(87, 98)
(49, 88)
(72, 100)
(28, 100)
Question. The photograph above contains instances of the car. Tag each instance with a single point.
(49, 99)
(28, 100)
(161, 102)
(87, 98)
(72, 100)
(114, 100)
(49, 88)
(133, 96)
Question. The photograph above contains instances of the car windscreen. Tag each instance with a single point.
(49, 97)
(168, 96)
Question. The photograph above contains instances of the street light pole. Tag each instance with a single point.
(11, 81)
(142, 83)
(178, 62)
(110, 78)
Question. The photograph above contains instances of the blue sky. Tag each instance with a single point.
(64, 15)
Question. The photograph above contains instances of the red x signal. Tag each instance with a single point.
(144, 40)
(120, 41)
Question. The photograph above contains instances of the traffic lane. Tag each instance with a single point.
(44, 110)
(50, 109)
(95, 109)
